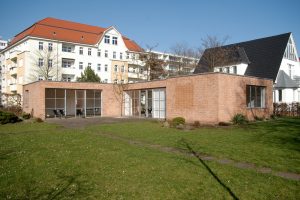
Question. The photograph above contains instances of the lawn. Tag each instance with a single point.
(43, 161)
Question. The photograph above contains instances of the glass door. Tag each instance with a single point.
(80, 103)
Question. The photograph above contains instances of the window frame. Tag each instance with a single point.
(106, 39)
(114, 40)
(41, 46)
(50, 46)
(258, 99)
(80, 65)
(50, 63)
(41, 62)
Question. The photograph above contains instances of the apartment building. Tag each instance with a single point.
(60, 50)
(3, 44)
(177, 64)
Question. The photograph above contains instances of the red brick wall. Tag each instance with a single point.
(111, 106)
(207, 98)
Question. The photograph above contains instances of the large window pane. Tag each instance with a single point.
(50, 103)
(255, 96)
(89, 93)
(60, 93)
(50, 93)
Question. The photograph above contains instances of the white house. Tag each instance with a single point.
(272, 57)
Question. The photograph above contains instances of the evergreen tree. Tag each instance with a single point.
(88, 75)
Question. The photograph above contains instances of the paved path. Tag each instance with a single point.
(190, 152)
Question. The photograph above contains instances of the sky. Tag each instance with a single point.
(162, 23)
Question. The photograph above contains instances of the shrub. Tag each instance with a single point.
(178, 120)
(273, 116)
(239, 119)
(7, 117)
(224, 124)
(26, 116)
(17, 110)
(258, 118)
(196, 124)
(38, 120)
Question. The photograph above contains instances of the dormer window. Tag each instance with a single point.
(107, 39)
(115, 40)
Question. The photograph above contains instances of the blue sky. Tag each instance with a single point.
(163, 22)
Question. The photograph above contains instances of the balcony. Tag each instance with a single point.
(13, 55)
(13, 87)
(132, 75)
(13, 71)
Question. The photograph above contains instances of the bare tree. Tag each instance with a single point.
(187, 59)
(153, 65)
(120, 86)
(183, 49)
(12, 99)
(45, 65)
(213, 52)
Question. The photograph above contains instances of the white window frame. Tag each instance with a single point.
(50, 46)
(115, 40)
(41, 62)
(106, 39)
(41, 45)
(80, 65)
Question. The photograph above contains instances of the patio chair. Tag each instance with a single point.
(79, 112)
(62, 113)
(55, 113)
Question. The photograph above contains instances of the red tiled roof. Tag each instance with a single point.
(51, 28)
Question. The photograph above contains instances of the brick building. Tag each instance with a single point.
(208, 98)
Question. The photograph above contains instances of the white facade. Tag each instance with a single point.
(290, 65)
(62, 52)
(3, 44)
(177, 63)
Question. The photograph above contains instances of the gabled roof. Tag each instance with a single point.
(284, 81)
(57, 29)
(264, 55)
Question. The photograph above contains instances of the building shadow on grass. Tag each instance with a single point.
(67, 187)
(188, 148)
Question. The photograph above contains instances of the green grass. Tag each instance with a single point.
(42, 161)
(274, 144)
